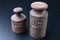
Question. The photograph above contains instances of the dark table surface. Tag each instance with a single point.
(53, 27)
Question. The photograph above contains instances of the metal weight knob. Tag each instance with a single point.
(18, 10)
(39, 5)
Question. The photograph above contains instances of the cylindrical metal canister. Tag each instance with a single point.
(38, 21)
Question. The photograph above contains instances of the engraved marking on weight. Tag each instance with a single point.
(18, 24)
(36, 23)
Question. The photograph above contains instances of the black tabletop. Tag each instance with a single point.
(6, 7)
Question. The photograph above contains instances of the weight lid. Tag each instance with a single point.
(39, 5)
(18, 10)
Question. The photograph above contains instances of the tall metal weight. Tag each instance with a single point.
(38, 20)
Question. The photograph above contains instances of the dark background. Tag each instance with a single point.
(6, 7)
